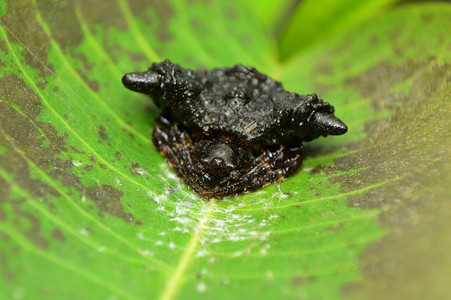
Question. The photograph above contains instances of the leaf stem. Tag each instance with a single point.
(174, 282)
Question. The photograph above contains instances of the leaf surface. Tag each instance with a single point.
(90, 209)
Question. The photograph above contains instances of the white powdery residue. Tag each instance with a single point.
(243, 217)
(146, 252)
(172, 245)
(201, 253)
(206, 227)
(284, 196)
(186, 222)
(142, 237)
(84, 232)
(219, 222)
(184, 203)
(159, 243)
(201, 287)
(231, 208)
(181, 211)
(234, 238)
(192, 197)
(219, 227)
(118, 182)
(140, 171)
(233, 227)
(167, 172)
(273, 217)
(263, 223)
(162, 233)
(101, 249)
(177, 229)
(203, 271)
(77, 163)
(19, 293)
(269, 275)
(204, 240)
(264, 250)
(83, 197)
(237, 217)
(159, 198)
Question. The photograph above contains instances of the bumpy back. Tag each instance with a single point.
(238, 100)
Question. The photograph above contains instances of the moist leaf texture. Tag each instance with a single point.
(90, 209)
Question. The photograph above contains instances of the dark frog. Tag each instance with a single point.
(231, 130)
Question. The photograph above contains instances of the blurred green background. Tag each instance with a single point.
(90, 210)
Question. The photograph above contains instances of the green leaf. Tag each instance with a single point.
(272, 14)
(3, 8)
(89, 209)
(313, 20)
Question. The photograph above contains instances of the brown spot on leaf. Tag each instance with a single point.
(324, 67)
(5, 269)
(118, 155)
(329, 170)
(231, 14)
(75, 150)
(406, 169)
(107, 199)
(58, 235)
(22, 138)
(374, 40)
(426, 18)
(102, 133)
(137, 170)
(336, 228)
(38, 43)
(23, 141)
(33, 225)
(378, 81)
(298, 281)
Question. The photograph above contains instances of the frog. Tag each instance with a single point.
(231, 130)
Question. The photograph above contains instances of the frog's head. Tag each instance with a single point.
(221, 159)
